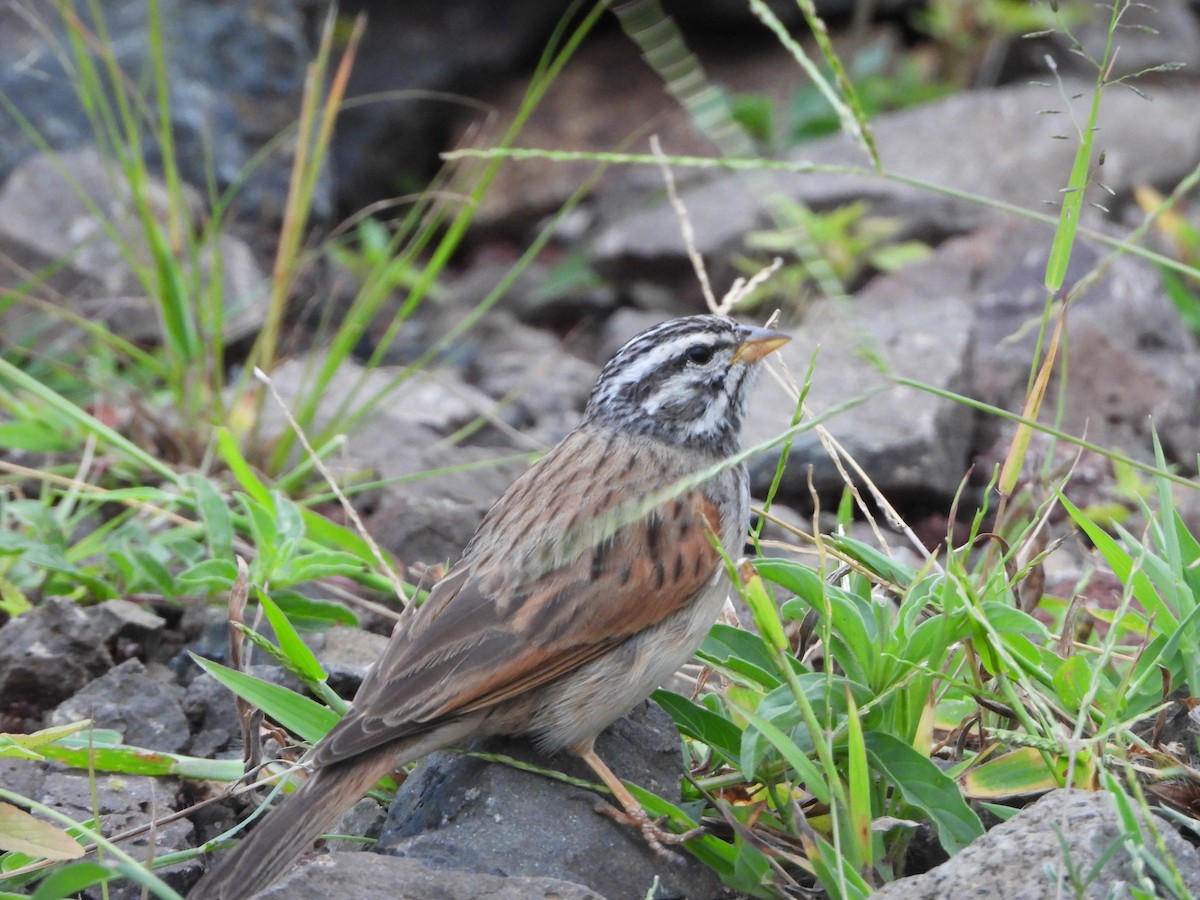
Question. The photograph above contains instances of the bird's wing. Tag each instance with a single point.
(481, 640)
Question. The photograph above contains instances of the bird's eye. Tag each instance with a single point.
(699, 354)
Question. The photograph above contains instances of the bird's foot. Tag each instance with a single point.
(652, 830)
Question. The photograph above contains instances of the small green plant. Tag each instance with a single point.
(1184, 240)
(848, 241)
(881, 79)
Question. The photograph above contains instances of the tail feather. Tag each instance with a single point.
(290, 828)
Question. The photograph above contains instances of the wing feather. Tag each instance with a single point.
(482, 639)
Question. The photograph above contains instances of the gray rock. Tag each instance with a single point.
(424, 529)
(22, 776)
(124, 619)
(49, 653)
(432, 507)
(213, 717)
(365, 819)
(1024, 166)
(369, 875)
(1124, 324)
(905, 439)
(211, 710)
(1151, 35)
(235, 73)
(125, 802)
(540, 385)
(457, 812)
(144, 706)
(78, 207)
(1024, 858)
(346, 654)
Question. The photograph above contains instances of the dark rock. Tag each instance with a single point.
(211, 710)
(235, 73)
(144, 706)
(1024, 166)
(53, 209)
(456, 812)
(371, 875)
(409, 51)
(124, 626)
(49, 653)
(209, 707)
(1038, 854)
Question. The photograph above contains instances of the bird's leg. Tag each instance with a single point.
(634, 815)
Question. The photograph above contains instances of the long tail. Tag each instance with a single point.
(289, 829)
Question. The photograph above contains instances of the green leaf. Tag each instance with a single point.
(701, 724)
(289, 521)
(211, 574)
(36, 436)
(806, 771)
(320, 564)
(214, 513)
(299, 656)
(1124, 568)
(21, 832)
(926, 787)
(881, 564)
(298, 714)
(67, 881)
(263, 529)
(156, 573)
(740, 652)
(309, 614)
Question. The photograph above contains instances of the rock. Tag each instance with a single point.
(424, 529)
(47, 654)
(213, 717)
(1040, 852)
(75, 207)
(211, 710)
(235, 73)
(410, 52)
(541, 386)
(143, 706)
(534, 297)
(22, 776)
(430, 509)
(365, 819)
(1024, 166)
(124, 623)
(1149, 36)
(908, 441)
(1124, 323)
(965, 320)
(346, 655)
(371, 875)
(125, 802)
(456, 812)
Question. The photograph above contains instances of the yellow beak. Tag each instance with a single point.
(757, 343)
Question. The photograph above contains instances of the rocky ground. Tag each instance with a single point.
(958, 320)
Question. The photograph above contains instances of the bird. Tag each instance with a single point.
(592, 579)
